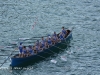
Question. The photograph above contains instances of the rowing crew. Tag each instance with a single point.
(43, 44)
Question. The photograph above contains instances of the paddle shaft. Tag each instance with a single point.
(7, 58)
(58, 48)
(47, 52)
(51, 51)
(41, 56)
(3, 55)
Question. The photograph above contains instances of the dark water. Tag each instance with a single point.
(17, 18)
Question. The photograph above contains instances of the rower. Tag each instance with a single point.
(25, 54)
(37, 47)
(31, 52)
(20, 49)
(43, 42)
(49, 36)
(54, 34)
(61, 35)
(41, 46)
(49, 42)
(37, 42)
(34, 50)
(55, 38)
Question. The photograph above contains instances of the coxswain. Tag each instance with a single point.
(64, 31)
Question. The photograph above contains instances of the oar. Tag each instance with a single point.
(3, 55)
(7, 50)
(28, 38)
(72, 28)
(53, 61)
(51, 51)
(64, 43)
(6, 47)
(33, 38)
(41, 56)
(7, 58)
(58, 48)
(39, 37)
(45, 52)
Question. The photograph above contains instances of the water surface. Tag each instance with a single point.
(17, 18)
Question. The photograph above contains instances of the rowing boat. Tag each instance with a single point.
(22, 62)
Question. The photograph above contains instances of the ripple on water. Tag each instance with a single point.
(17, 20)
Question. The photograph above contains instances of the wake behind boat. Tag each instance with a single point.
(16, 61)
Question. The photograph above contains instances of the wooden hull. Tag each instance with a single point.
(21, 62)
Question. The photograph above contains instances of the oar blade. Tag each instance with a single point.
(53, 61)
